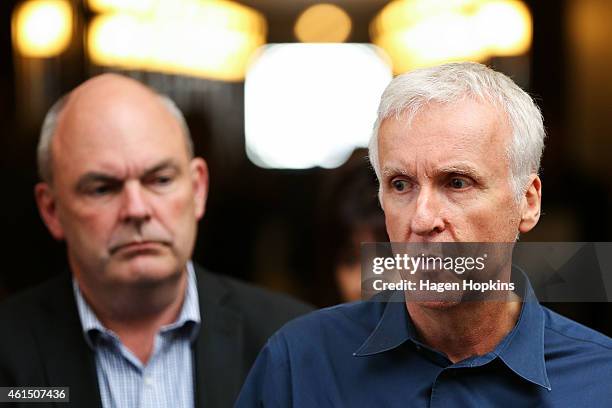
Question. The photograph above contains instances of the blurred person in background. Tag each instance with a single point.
(135, 322)
(349, 214)
(456, 149)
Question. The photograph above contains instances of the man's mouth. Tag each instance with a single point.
(139, 246)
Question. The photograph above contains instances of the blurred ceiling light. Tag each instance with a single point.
(309, 105)
(417, 33)
(447, 38)
(129, 6)
(210, 39)
(42, 28)
(506, 25)
(323, 23)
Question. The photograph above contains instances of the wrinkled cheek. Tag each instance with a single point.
(86, 218)
(183, 229)
(87, 232)
(397, 225)
(495, 227)
(183, 205)
(87, 245)
(398, 216)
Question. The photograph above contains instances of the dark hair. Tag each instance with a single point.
(348, 206)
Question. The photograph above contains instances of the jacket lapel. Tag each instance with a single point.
(218, 349)
(219, 363)
(67, 359)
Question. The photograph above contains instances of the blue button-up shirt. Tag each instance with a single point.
(368, 354)
(167, 378)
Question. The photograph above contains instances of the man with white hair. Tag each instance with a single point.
(135, 323)
(456, 149)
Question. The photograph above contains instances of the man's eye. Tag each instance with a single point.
(400, 185)
(458, 183)
(162, 180)
(100, 190)
(159, 180)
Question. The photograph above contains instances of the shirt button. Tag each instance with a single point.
(148, 381)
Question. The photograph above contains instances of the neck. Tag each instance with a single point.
(465, 329)
(137, 313)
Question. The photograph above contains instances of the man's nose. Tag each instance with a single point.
(426, 220)
(136, 207)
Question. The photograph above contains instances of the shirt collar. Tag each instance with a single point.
(188, 317)
(392, 330)
(522, 350)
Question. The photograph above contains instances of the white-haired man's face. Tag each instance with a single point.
(445, 176)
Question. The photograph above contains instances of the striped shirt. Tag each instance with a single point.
(166, 380)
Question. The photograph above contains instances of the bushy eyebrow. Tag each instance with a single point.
(463, 169)
(393, 171)
(164, 165)
(95, 177)
(101, 177)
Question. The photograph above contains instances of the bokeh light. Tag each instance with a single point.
(209, 39)
(42, 28)
(309, 105)
(417, 33)
(323, 23)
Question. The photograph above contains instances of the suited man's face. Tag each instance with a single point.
(125, 194)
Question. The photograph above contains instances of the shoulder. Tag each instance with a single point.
(33, 304)
(355, 315)
(262, 311)
(300, 356)
(239, 294)
(326, 331)
(577, 358)
(27, 315)
(566, 337)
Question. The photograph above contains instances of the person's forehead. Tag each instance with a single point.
(468, 129)
(117, 126)
(110, 96)
(455, 121)
(110, 103)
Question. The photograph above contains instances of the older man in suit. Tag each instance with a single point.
(135, 323)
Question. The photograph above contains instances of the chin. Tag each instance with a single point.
(439, 304)
(436, 301)
(146, 270)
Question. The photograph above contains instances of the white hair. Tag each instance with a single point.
(44, 155)
(449, 83)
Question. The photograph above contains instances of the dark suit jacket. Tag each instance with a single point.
(42, 342)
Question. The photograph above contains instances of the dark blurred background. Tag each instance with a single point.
(273, 225)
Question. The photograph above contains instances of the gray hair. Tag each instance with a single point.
(50, 123)
(452, 82)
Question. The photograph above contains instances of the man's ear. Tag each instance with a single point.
(199, 178)
(48, 209)
(531, 205)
